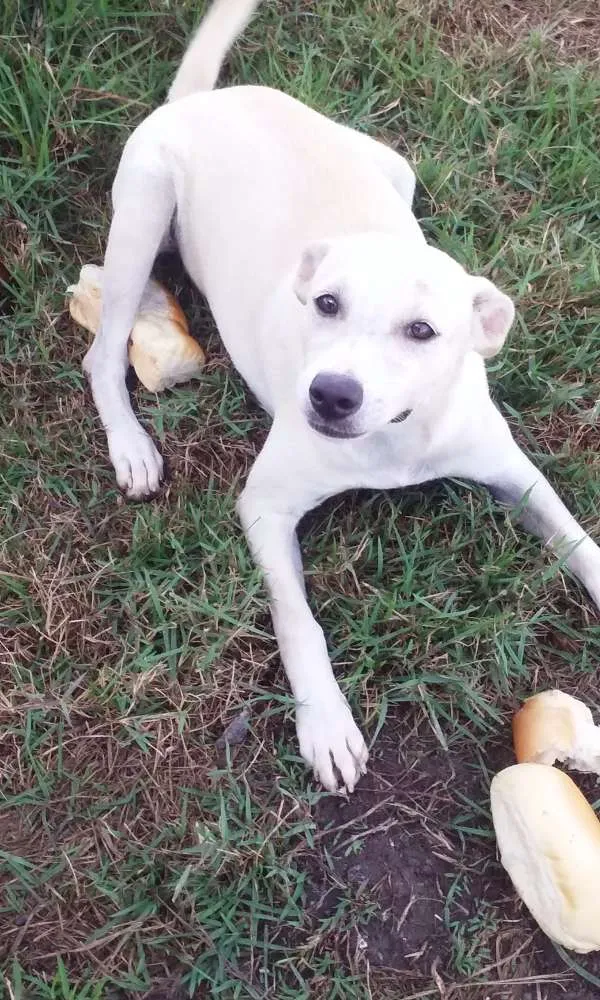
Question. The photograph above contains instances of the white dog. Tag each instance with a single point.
(365, 344)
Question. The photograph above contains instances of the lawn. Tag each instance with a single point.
(137, 859)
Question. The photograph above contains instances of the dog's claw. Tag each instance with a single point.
(331, 741)
(138, 463)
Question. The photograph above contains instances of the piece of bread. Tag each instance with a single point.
(549, 841)
(554, 726)
(160, 348)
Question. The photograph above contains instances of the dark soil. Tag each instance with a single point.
(416, 839)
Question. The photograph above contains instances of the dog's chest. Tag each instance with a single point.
(390, 460)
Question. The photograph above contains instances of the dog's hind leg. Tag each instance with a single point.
(144, 202)
(397, 170)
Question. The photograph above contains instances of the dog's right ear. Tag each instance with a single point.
(311, 258)
(493, 314)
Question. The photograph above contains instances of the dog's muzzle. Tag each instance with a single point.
(334, 401)
(335, 398)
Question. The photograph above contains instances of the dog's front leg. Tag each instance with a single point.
(496, 460)
(273, 501)
(144, 202)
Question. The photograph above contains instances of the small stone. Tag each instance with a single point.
(236, 732)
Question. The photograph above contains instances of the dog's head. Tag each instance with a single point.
(388, 326)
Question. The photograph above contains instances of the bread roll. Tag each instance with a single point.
(160, 347)
(554, 726)
(549, 841)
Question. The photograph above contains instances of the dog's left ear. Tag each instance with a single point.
(311, 258)
(493, 315)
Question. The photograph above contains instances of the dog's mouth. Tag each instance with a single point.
(327, 430)
(345, 433)
(401, 416)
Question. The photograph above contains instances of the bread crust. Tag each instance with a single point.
(553, 726)
(549, 841)
(161, 349)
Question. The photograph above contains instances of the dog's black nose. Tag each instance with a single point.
(335, 396)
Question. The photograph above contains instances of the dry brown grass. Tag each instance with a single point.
(571, 28)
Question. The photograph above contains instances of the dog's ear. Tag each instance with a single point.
(311, 258)
(493, 315)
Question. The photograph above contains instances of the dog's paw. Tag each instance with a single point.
(330, 740)
(138, 463)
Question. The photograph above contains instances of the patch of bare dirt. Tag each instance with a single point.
(415, 846)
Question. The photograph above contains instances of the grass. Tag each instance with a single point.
(135, 859)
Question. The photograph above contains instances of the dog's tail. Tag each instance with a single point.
(225, 20)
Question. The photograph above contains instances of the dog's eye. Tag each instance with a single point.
(327, 304)
(420, 331)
